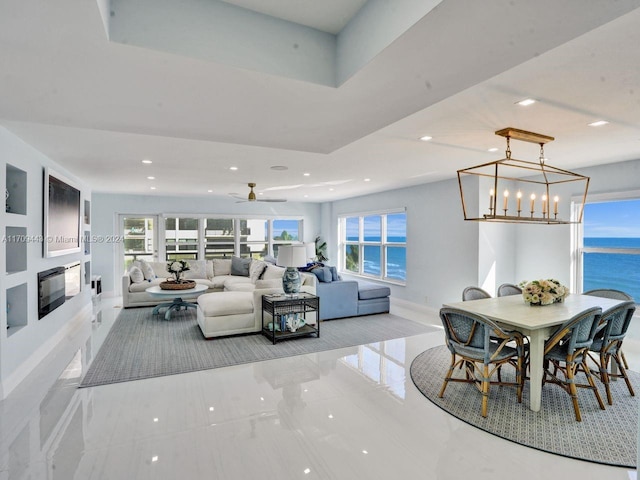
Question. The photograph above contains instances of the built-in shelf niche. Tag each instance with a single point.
(16, 186)
(87, 212)
(16, 249)
(16, 308)
(87, 273)
(87, 242)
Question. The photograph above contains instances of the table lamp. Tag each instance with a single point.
(292, 257)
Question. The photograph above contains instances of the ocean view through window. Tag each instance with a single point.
(375, 245)
(611, 246)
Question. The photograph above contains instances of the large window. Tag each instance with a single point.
(192, 238)
(139, 239)
(375, 245)
(611, 246)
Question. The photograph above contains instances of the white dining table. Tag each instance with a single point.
(536, 322)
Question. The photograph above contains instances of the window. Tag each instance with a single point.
(611, 246)
(182, 238)
(375, 245)
(139, 239)
(192, 238)
(219, 237)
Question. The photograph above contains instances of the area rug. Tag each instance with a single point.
(604, 436)
(141, 345)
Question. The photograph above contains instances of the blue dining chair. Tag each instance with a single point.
(607, 345)
(566, 351)
(469, 339)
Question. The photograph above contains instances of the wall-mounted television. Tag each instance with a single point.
(62, 215)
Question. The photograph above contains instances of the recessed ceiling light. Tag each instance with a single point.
(151, 178)
(279, 167)
(210, 191)
(426, 138)
(146, 161)
(598, 123)
(306, 174)
(526, 102)
(493, 149)
(153, 188)
(233, 168)
(331, 189)
(367, 179)
(306, 196)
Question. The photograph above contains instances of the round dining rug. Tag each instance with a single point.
(604, 436)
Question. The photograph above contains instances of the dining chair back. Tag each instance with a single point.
(607, 344)
(609, 293)
(471, 340)
(566, 351)
(507, 289)
(474, 293)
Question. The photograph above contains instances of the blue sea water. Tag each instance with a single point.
(618, 271)
(396, 260)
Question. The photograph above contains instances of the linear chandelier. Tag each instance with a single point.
(531, 192)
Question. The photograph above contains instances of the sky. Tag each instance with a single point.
(620, 218)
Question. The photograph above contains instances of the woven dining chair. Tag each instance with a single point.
(616, 295)
(468, 338)
(566, 351)
(507, 289)
(607, 345)
(474, 293)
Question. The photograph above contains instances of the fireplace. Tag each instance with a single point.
(51, 288)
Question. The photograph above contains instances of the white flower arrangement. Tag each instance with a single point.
(543, 292)
(177, 268)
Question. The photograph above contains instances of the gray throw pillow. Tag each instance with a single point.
(334, 274)
(240, 266)
(323, 274)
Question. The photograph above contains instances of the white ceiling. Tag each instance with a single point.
(98, 108)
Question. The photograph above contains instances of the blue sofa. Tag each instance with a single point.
(351, 298)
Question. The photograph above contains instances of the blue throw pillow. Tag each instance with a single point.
(334, 274)
(323, 274)
(240, 266)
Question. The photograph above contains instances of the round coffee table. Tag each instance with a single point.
(177, 301)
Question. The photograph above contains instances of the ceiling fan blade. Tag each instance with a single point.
(271, 200)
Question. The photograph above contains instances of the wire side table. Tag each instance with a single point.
(282, 305)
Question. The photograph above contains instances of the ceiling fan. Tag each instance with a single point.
(253, 198)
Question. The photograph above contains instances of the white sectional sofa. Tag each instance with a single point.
(215, 274)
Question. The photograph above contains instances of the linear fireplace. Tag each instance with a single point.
(51, 290)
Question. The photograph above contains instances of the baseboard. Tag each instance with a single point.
(415, 311)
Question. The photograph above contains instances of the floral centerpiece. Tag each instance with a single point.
(176, 268)
(543, 292)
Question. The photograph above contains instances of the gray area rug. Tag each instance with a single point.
(604, 436)
(140, 345)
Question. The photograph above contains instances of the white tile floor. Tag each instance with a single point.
(345, 414)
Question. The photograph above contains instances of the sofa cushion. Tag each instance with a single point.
(270, 283)
(147, 271)
(370, 290)
(256, 269)
(240, 266)
(218, 282)
(197, 269)
(225, 303)
(221, 266)
(142, 286)
(323, 274)
(273, 271)
(136, 274)
(231, 280)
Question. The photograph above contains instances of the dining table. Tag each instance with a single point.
(537, 322)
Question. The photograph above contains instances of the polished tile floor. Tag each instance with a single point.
(352, 413)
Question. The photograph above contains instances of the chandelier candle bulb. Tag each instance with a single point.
(506, 200)
(533, 201)
(555, 205)
(519, 198)
(491, 193)
(544, 205)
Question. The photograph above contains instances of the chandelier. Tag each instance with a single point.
(530, 192)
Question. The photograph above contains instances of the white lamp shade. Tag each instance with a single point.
(292, 256)
(311, 251)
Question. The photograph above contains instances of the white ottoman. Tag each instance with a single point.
(226, 313)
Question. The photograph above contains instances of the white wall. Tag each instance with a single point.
(23, 350)
(442, 249)
(107, 207)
